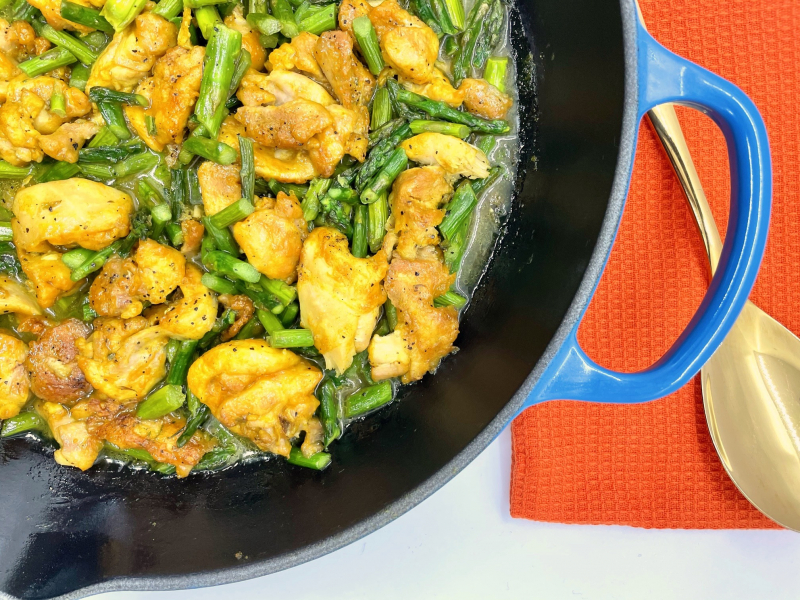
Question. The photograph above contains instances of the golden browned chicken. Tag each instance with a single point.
(244, 309)
(219, 185)
(18, 40)
(262, 393)
(437, 88)
(417, 200)
(424, 333)
(72, 212)
(192, 231)
(280, 87)
(298, 55)
(131, 54)
(193, 316)
(64, 144)
(283, 164)
(53, 363)
(123, 359)
(14, 382)
(15, 298)
(78, 447)
(290, 125)
(150, 275)
(455, 156)
(252, 90)
(51, 11)
(348, 135)
(352, 83)
(340, 295)
(485, 100)
(349, 11)
(49, 276)
(409, 46)
(272, 237)
(250, 42)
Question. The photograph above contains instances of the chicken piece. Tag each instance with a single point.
(68, 139)
(483, 99)
(417, 200)
(70, 212)
(349, 11)
(289, 125)
(262, 393)
(424, 333)
(244, 309)
(237, 22)
(51, 11)
(131, 54)
(340, 295)
(192, 237)
(8, 71)
(280, 87)
(124, 358)
(408, 45)
(298, 55)
(124, 285)
(48, 274)
(352, 83)
(348, 135)
(136, 115)
(193, 316)
(272, 237)
(14, 382)
(53, 363)
(455, 156)
(438, 88)
(287, 166)
(219, 185)
(176, 84)
(79, 448)
(108, 420)
(14, 298)
(18, 40)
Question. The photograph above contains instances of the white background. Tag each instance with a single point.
(461, 543)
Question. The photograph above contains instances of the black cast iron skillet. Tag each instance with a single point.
(68, 534)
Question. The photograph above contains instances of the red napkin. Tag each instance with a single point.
(654, 465)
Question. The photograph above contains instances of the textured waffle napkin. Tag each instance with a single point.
(654, 465)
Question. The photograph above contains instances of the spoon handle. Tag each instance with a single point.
(665, 122)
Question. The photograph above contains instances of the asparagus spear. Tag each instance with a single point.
(44, 63)
(223, 239)
(368, 43)
(472, 32)
(104, 137)
(24, 421)
(291, 338)
(450, 299)
(8, 171)
(318, 461)
(110, 154)
(115, 119)
(380, 154)
(207, 20)
(424, 10)
(289, 315)
(75, 258)
(460, 207)
(454, 129)
(213, 150)
(231, 267)
(455, 10)
(378, 214)
(233, 213)
(395, 164)
(195, 421)
(248, 170)
(495, 72)
(138, 163)
(368, 399)
(120, 13)
(319, 21)
(264, 23)
(78, 76)
(443, 16)
(310, 203)
(59, 171)
(329, 411)
(100, 94)
(161, 402)
(491, 31)
(218, 69)
(284, 292)
(218, 284)
(282, 10)
(64, 40)
(168, 9)
(381, 108)
(443, 111)
(269, 321)
(359, 245)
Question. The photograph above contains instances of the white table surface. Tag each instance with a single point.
(461, 544)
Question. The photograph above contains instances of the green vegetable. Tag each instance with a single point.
(391, 314)
(233, 213)
(450, 299)
(310, 203)
(378, 215)
(99, 172)
(138, 163)
(207, 20)
(368, 399)
(212, 150)
(250, 330)
(424, 11)
(442, 111)
(137, 454)
(75, 258)
(202, 3)
(120, 13)
(216, 458)
(395, 164)
(59, 171)
(168, 9)
(368, 43)
(380, 154)
(179, 364)
(495, 72)
(486, 143)
(291, 338)
(318, 461)
(115, 119)
(282, 10)
(454, 129)
(299, 191)
(248, 170)
(101, 94)
(481, 34)
(79, 76)
(319, 21)
(284, 292)
(197, 419)
(450, 45)
(481, 184)
(455, 10)
(359, 245)
(23, 422)
(44, 63)
(329, 411)
(381, 107)
(218, 69)
(269, 321)
(8, 171)
(5, 231)
(94, 262)
(218, 284)
(223, 239)
(231, 267)
(161, 402)
(264, 23)
(268, 41)
(443, 16)
(104, 137)
(459, 209)
(22, 11)
(64, 40)
(89, 314)
(110, 154)
(492, 29)
(289, 315)
(58, 105)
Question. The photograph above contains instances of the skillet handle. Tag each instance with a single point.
(665, 77)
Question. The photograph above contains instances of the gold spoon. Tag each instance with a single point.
(751, 385)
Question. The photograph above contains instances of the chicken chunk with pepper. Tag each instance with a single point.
(14, 381)
(53, 363)
(455, 156)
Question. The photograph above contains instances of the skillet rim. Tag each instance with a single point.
(579, 303)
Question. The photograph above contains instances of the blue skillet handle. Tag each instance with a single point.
(665, 77)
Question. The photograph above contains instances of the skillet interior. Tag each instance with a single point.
(62, 530)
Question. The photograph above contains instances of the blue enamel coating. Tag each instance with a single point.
(665, 77)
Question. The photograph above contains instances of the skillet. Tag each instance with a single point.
(587, 74)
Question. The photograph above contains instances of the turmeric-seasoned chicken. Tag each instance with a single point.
(352, 83)
(289, 125)
(485, 100)
(78, 447)
(272, 237)
(53, 363)
(14, 298)
(65, 142)
(250, 41)
(438, 87)
(219, 185)
(191, 317)
(150, 275)
(417, 200)
(123, 358)
(257, 391)
(298, 55)
(340, 295)
(131, 54)
(71, 212)
(50, 277)
(455, 156)
(280, 87)
(424, 333)
(18, 40)
(347, 135)
(349, 11)
(14, 382)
